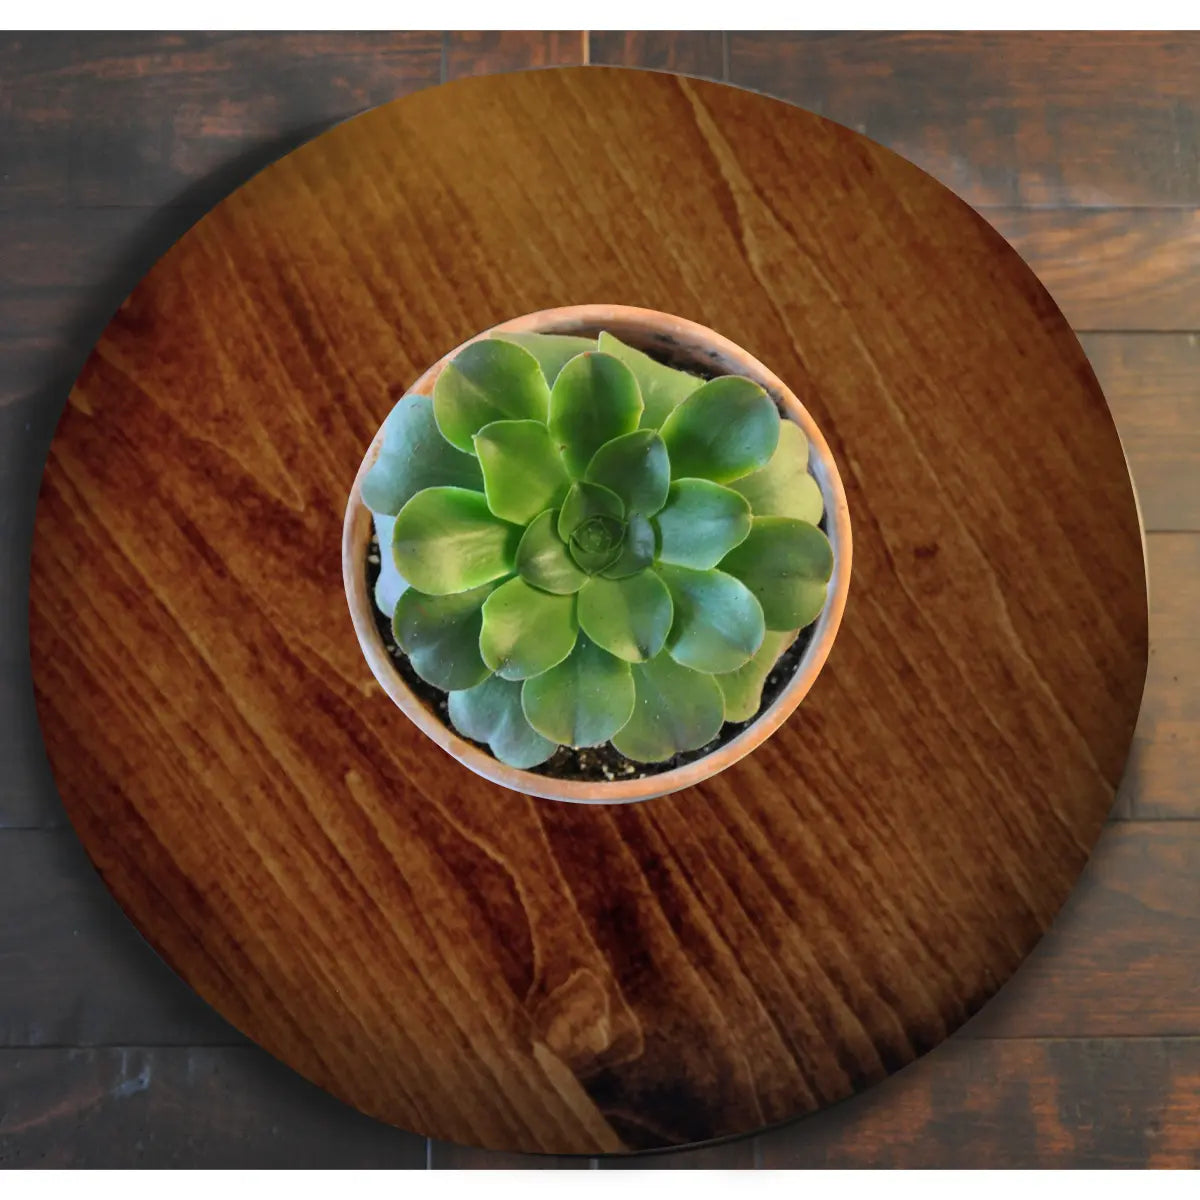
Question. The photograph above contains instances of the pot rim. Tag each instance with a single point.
(667, 329)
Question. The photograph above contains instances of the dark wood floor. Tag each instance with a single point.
(1083, 149)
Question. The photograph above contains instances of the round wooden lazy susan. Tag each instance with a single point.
(483, 966)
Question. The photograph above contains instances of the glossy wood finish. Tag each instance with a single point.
(515, 973)
(73, 972)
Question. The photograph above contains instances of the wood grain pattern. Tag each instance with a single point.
(159, 1108)
(525, 975)
(1165, 760)
(470, 52)
(1152, 385)
(186, 116)
(695, 53)
(1121, 959)
(1123, 269)
(1011, 1105)
(1032, 119)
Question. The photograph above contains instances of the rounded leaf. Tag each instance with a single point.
(635, 466)
(526, 631)
(627, 617)
(700, 523)
(488, 381)
(787, 564)
(543, 558)
(585, 501)
(597, 545)
(595, 399)
(447, 540)
(784, 488)
(414, 456)
(584, 700)
(390, 585)
(440, 635)
(743, 688)
(637, 549)
(718, 623)
(722, 431)
(491, 712)
(675, 709)
(552, 350)
(662, 387)
(523, 473)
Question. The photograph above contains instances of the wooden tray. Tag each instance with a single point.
(512, 972)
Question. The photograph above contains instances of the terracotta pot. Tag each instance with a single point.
(683, 342)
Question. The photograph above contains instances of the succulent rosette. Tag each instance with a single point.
(581, 545)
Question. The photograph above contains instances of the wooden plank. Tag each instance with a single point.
(471, 52)
(448, 1156)
(122, 1107)
(1123, 956)
(28, 797)
(1152, 383)
(94, 248)
(36, 125)
(27, 793)
(1014, 1104)
(1123, 269)
(1163, 778)
(73, 970)
(183, 118)
(45, 335)
(697, 52)
(1020, 118)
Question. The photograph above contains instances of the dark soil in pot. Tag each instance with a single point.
(596, 764)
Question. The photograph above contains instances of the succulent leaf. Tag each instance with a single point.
(718, 623)
(491, 712)
(663, 388)
(787, 564)
(584, 502)
(526, 631)
(743, 687)
(722, 431)
(599, 546)
(784, 488)
(390, 585)
(700, 523)
(628, 617)
(635, 466)
(637, 549)
(489, 380)
(414, 456)
(675, 709)
(440, 635)
(446, 540)
(543, 559)
(584, 700)
(523, 473)
(595, 399)
(552, 350)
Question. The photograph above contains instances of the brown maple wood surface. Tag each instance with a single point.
(492, 969)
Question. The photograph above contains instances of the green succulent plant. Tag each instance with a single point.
(581, 544)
